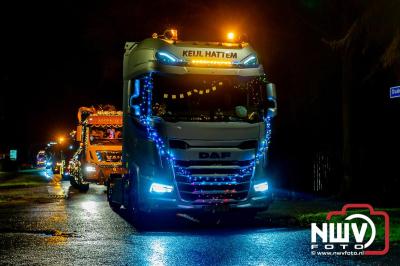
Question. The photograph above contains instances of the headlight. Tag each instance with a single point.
(166, 58)
(261, 187)
(160, 188)
(49, 163)
(90, 168)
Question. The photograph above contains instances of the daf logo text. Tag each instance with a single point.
(214, 155)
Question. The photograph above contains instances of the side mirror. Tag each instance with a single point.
(271, 97)
(78, 135)
(134, 99)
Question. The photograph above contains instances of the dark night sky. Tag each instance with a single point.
(57, 57)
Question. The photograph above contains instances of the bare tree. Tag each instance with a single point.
(377, 29)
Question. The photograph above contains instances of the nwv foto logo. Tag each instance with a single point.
(337, 235)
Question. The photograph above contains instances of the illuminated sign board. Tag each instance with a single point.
(209, 54)
(13, 155)
(395, 92)
(105, 120)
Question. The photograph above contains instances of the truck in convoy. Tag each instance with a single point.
(41, 159)
(197, 124)
(99, 133)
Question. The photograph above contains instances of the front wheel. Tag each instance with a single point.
(114, 206)
(76, 180)
(137, 216)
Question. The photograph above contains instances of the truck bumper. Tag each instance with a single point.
(102, 174)
(258, 202)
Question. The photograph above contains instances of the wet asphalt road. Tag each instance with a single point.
(81, 229)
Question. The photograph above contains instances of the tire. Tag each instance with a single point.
(76, 181)
(250, 215)
(72, 181)
(137, 217)
(114, 206)
(83, 187)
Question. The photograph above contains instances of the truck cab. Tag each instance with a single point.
(41, 159)
(99, 134)
(197, 125)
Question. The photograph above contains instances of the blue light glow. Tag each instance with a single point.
(136, 91)
(261, 187)
(136, 109)
(251, 60)
(166, 58)
(160, 188)
(263, 149)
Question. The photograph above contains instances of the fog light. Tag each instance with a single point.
(261, 187)
(160, 188)
(90, 168)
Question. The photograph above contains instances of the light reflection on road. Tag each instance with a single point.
(46, 173)
(90, 206)
(59, 216)
(56, 240)
(157, 252)
(82, 230)
(54, 187)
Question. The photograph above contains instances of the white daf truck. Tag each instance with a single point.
(196, 127)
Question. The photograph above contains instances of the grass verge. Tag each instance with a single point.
(22, 181)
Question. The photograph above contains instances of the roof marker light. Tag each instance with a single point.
(171, 34)
(230, 36)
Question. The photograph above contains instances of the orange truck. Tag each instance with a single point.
(99, 133)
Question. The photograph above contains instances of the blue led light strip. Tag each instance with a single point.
(263, 149)
(145, 118)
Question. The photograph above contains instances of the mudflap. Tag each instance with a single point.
(116, 189)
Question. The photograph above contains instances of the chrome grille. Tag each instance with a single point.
(213, 181)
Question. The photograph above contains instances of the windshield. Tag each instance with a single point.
(208, 98)
(105, 135)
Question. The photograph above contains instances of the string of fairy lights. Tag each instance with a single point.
(145, 118)
(146, 113)
(188, 93)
